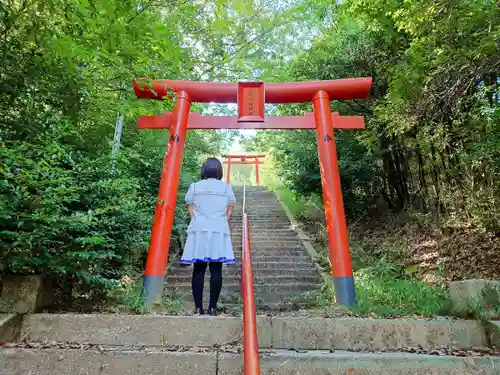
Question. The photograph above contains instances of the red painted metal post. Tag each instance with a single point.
(228, 177)
(165, 206)
(338, 241)
(250, 342)
(257, 171)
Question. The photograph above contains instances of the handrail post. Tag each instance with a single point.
(250, 342)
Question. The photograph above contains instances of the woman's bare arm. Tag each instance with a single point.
(190, 211)
(229, 211)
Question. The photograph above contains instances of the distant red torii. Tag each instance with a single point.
(251, 97)
(243, 160)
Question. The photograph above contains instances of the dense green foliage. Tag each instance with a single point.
(432, 135)
(65, 72)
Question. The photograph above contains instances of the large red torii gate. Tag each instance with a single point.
(245, 159)
(251, 97)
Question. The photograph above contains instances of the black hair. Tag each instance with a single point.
(212, 168)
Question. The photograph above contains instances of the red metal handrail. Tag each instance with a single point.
(250, 343)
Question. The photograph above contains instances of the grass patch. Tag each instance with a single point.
(384, 286)
(485, 307)
(302, 209)
(295, 205)
(127, 298)
(384, 289)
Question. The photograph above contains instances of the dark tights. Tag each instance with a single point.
(199, 270)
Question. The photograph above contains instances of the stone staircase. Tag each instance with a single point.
(115, 344)
(282, 268)
(69, 344)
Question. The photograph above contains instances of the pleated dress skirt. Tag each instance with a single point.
(208, 246)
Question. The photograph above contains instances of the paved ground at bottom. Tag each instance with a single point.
(156, 362)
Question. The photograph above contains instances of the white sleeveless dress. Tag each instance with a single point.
(208, 237)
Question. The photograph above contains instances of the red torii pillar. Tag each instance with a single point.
(251, 97)
(243, 161)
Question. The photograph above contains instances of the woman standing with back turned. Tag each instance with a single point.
(210, 205)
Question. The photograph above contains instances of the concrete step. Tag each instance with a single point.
(235, 287)
(260, 199)
(257, 228)
(278, 295)
(271, 241)
(269, 246)
(259, 234)
(263, 231)
(275, 249)
(274, 252)
(286, 362)
(10, 324)
(266, 235)
(271, 263)
(267, 210)
(256, 225)
(261, 203)
(265, 215)
(275, 257)
(271, 225)
(154, 361)
(286, 261)
(235, 308)
(156, 345)
(258, 265)
(261, 223)
(259, 249)
(280, 332)
(257, 203)
(260, 241)
(258, 279)
(257, 272)
(276, 241)
(276, 298)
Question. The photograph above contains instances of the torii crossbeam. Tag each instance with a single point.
(251, 97)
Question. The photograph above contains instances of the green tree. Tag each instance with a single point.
(66, 73)
(432, 131)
